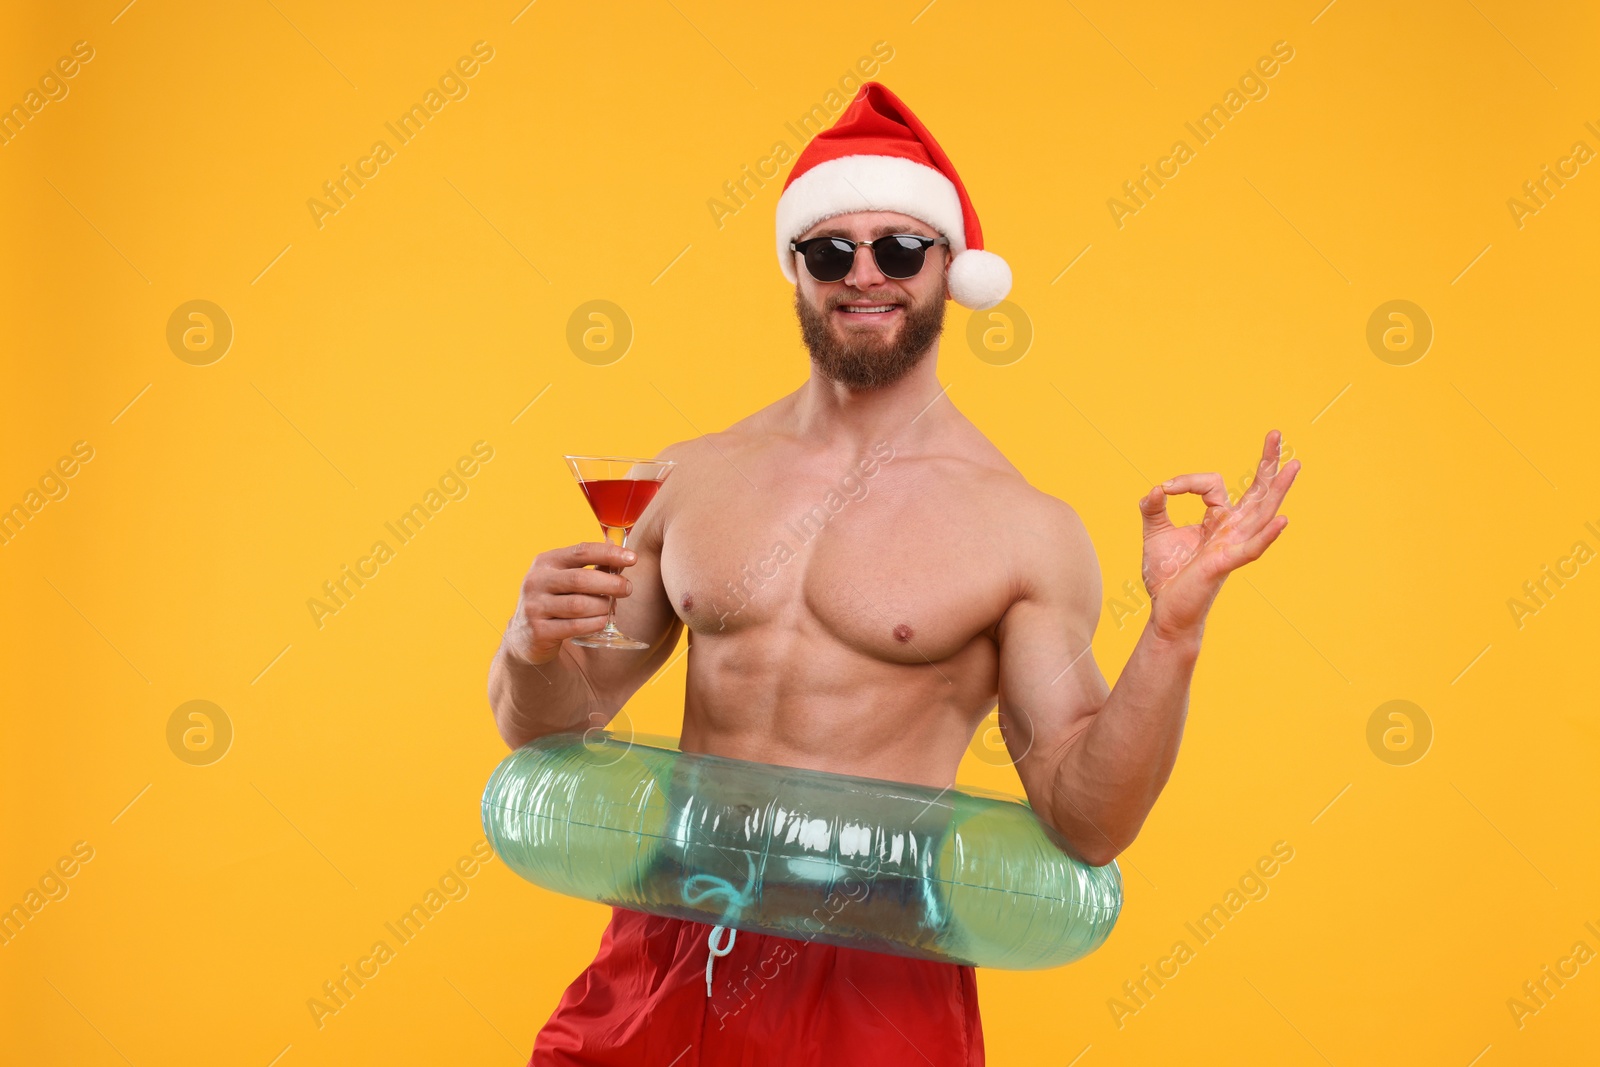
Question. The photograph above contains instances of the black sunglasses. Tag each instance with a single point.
(898, 255)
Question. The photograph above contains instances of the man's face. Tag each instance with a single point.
(864, 348)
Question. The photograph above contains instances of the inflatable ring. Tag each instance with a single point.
(955, 875)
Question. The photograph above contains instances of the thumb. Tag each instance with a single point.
(1154, 509)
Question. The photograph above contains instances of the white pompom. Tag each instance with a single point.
(979, 279)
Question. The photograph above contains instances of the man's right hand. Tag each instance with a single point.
(561, 598)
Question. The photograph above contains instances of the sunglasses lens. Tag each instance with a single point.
(829, 260)
(899, 256)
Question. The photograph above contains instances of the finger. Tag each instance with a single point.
(1271, 453)
(1272, 448)
(554, 631)
(1218, 518)
(1268, 469)
(1154, 509)
(590, 554)
(580, 580)
(1257, 510)
(1209, 487)
(572, 607)
(1250, 549)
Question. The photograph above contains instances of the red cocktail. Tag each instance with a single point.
(618, 490)
(618, 502)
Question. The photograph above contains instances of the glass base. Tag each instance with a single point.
(609, 639)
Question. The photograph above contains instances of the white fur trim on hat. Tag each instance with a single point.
(870, 183)
(979, 279)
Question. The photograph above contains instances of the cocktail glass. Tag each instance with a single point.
(618, 490)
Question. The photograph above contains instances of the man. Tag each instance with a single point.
(863, 577)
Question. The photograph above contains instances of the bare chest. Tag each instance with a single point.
(895, 566)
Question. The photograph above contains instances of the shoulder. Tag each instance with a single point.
(684, 454)
(1048, 548)
(696, 453)
(703, 468)
(1057, 522)
(703, 458)
(1025, 508)
(1040, 539)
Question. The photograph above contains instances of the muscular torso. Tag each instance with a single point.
(842, 602)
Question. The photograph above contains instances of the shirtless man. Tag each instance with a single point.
(869, 638)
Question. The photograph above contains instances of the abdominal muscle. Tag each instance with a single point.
(805, 699)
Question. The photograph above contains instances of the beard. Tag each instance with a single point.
(870, 359)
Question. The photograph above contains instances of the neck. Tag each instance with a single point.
(902, 412)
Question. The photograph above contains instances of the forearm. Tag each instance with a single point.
(530, 701)
(1110, 775)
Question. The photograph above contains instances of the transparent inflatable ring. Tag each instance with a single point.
(956, 875)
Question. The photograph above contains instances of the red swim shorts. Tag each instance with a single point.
(775, 1002)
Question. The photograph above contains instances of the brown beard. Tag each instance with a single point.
(870, 362)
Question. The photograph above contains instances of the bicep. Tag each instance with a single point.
(1050, 686)
(646, 612)
(646, 615)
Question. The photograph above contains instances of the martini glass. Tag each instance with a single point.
(618, 490)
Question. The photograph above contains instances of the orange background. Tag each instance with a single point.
(431, 311)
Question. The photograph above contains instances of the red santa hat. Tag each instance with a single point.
(880, 157)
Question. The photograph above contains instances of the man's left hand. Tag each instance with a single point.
(1184, 566)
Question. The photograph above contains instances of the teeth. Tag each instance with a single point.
(880, 309)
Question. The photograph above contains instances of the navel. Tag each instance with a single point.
(902, 633)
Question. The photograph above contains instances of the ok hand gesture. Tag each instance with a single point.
(1184, 566)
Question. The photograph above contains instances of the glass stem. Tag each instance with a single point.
(616, 535)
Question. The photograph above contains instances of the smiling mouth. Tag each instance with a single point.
(867, 309)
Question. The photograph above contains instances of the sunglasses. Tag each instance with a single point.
(898, 255)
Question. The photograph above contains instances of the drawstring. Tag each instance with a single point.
(711, 957)
(738, 900)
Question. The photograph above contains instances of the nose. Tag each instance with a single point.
(864, 272)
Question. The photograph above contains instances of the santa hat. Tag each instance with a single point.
(879, 157)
